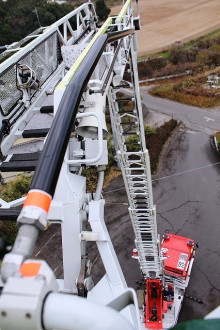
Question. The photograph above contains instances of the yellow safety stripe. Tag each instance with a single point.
(68, 77)
(123, 11)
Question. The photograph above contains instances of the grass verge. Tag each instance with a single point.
(155, 140)
(192, 95)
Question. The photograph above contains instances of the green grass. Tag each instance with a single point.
(190, 43)
(165, 54)
(215, 33)
(217, 135)
(14, 189)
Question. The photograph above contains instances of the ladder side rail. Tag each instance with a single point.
(24, 117)
(146, 228)
(15, 46)
(134, 68)
(47, 33)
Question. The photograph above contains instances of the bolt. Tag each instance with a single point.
(3, 313)
(28, 315)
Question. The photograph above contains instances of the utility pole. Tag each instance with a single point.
(35, 11)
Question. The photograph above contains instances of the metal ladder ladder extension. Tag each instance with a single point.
(135, 165)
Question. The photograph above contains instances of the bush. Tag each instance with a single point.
(14, 189)
(148, 130)
(210, 57)
(8, 231)
(102, 10)
(156, 139)
(18, 18)
(193, 94)
(182, 55)
(147, 69)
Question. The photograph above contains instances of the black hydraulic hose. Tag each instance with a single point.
(2, 49)
(50, 162)
(49, 166)
(112, 36)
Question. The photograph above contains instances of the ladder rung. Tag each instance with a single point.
(19, 166)
(124, 112)
(139, 197)
(133, 143)
(10, 214)
(25, 156)
(126, 99)
(128, 123)
(136, 175)
(35, 133)
(135, 169)
(138, 194)
(131, 153)
(46, 109)
(122, 86)
(130, 133)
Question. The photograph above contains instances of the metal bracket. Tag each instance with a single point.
(85, 104)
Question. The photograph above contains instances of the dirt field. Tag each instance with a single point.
(166, 21)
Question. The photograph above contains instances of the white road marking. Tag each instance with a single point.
(187, 131)
(209, 119)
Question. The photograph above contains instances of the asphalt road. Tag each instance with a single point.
(207, 120)
(186, 193)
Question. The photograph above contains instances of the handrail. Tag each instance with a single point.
(82, 56)
(123, 11)
(48, 32)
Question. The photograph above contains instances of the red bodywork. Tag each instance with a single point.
(158, 299)
(153, 313)
(180, 251)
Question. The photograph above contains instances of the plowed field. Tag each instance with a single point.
(167, 21)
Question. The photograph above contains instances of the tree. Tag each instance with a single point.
(101, 9)
(18, 17)
(181, 55)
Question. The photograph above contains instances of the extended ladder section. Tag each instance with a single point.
(126, 110)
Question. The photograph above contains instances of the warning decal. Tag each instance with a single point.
(182, 261)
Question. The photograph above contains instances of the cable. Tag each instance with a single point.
(100, 183)
(170, 176)
(188, 171)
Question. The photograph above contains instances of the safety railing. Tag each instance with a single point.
(41, 56)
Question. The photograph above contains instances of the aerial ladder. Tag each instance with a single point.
(67, 75)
